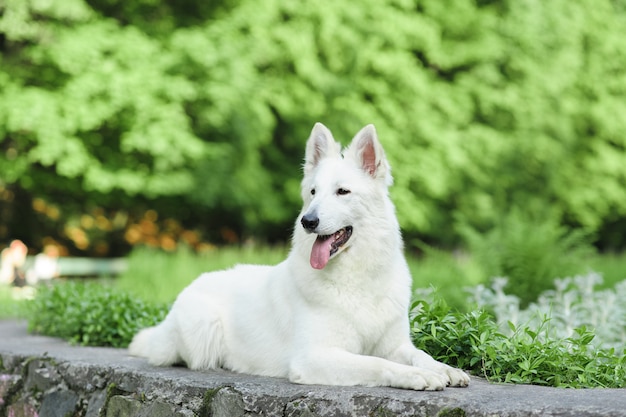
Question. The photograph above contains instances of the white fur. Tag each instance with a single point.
(345, 324)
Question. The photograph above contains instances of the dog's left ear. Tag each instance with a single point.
(320, 145)
(369, 154)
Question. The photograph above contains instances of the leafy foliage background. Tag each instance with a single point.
(200, 110)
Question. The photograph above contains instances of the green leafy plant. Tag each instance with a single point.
(473, 341)
(91, 314)
(575, 302)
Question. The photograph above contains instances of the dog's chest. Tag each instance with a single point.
(363, 315)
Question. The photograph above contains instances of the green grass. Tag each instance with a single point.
(447, 273)
(159, 276)
(12, 301)
(450, 274)
(612, 267)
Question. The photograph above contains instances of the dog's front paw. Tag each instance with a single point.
(458, 377)
(454, 377)
(425, 380)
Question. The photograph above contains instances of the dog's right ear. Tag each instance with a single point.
(369, 155)
(319, 145)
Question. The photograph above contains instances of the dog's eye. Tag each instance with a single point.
(312, 191)
(342, 191)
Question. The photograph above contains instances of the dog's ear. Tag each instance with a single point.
(320, 145)
(369, 154)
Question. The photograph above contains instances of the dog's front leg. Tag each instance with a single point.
(334, 366)
(409, 354)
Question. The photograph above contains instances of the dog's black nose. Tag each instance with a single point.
(310, 222)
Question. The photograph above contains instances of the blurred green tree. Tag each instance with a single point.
(203, 109)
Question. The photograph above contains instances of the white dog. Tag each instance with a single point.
(335, 312)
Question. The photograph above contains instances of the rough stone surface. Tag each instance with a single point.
(120, 405)
(41, 375)
(46, 376)
(95, 403)
(58, 404)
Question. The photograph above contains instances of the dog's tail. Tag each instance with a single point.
(157, 344)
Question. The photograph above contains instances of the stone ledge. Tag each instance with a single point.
(47, 377)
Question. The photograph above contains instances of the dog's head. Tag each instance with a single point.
(344, 193)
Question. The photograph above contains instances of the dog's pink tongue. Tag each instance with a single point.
(321, 252)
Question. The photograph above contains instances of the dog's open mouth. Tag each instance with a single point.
(326, 246)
